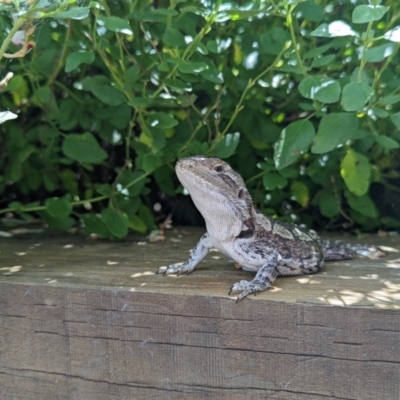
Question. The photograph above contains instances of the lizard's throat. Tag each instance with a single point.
(223, 219)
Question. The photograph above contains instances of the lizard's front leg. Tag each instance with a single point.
(196, 257)
(264, 278)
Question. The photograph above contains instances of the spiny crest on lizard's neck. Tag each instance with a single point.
(211, 180)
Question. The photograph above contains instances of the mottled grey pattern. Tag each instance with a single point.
(256, 242)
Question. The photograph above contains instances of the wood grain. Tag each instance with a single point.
(75, 326)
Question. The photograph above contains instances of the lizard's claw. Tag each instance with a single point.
(247, 288)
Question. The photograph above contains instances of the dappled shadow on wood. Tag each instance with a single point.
(85, 319)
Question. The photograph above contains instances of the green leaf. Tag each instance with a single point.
(390, 99)
(328, 205)
(355, 171)
(213, 75)
(196, 148)
(227, 146)
(192, 67)
(104, 189)
(137, 224)
(140, 102)
(74, 60)
(319, 62)
(151, 162)
(320, 88)
(300, 192)
(94, 224)
(173, 38)
(393, 35)
(161, 120)
(272, 180)
(334, 129)
(102, 89)
(395, 118)
(132, 74)
(72, 13)
(150, 16)
(133, 182)
(295, 139)
(310, 11)
(146, 216)
(387, 142)
(83, 148)
(7, 115)
(334, 29)
(44, 98)
(366, 13)
(115, 222)
(355, 95)
(166, 11)
(379, 53)
(273, 41)
(115, 24)
(59, 223)
(362, 204)
(177, 84)
(316, 51)
(378, 112)
(59, 208)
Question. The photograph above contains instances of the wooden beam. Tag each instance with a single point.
(74, 325)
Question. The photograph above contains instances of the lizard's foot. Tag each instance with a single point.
(371, 252)
(247, 288)
(177, 269)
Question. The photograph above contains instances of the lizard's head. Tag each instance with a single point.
(211, 181)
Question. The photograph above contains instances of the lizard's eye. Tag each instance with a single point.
(218, 168)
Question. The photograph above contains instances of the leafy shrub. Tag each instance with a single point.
(301, 97)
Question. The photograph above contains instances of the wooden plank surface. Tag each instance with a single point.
(87, 319)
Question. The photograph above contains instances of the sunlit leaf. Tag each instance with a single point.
(115, 24)
(393, 35)
(321, 88)
(355, 170)
(227, 146)
(334, 29)
(73, 13)
(366, 13)
(300, 192)
(6, 115)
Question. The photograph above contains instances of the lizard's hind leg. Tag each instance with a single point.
(336, 250)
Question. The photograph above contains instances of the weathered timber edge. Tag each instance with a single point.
(71, 329)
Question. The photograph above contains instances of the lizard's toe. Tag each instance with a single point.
(247, 288)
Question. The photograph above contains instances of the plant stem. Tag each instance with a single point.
(363, 60)
(250, 84)
(289, 20)
(42, 208)
(18, 24)
(61, 62)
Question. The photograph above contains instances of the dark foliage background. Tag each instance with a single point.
(302, 98)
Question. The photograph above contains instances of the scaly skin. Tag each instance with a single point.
(255, 241)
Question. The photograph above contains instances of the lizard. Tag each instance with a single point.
(256, 242)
